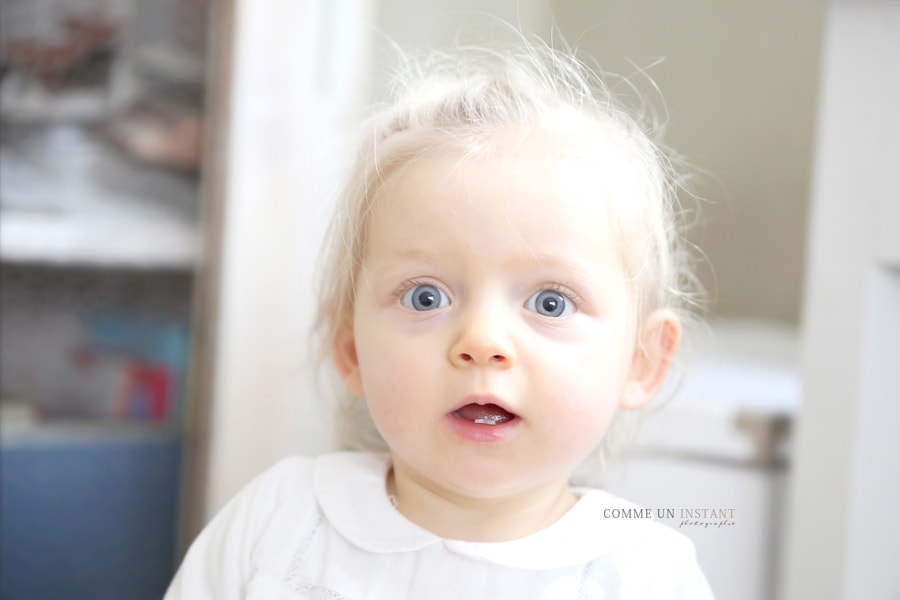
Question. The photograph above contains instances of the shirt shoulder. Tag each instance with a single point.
(250, 533)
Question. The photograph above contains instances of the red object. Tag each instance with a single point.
(148, 392)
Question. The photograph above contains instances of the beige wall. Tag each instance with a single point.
(739, 80)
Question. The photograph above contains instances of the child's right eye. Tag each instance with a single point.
(425, 297)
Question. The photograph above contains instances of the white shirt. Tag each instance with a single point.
(324, 528)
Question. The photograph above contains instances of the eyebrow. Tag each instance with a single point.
(405, 257)
(543, 259)
(418, 255)
(555, 261)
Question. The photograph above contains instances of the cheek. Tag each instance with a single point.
(583, 411)
(375, 348)
(585, 389)
(390, 382)
(394, 361)
(387, 406)
(382, 373)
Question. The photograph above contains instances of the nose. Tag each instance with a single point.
(483, 341)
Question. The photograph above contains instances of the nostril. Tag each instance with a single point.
(477, 359)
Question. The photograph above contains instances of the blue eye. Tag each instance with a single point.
(425, 297)
(550, 303)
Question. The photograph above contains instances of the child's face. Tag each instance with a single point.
(493, 331)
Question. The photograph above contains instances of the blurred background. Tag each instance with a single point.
(167, 170)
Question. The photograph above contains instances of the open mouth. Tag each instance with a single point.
(484, 414)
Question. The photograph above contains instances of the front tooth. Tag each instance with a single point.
(489, 420)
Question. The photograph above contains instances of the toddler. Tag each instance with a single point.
(505, 275)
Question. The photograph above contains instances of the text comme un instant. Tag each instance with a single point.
(668, 513)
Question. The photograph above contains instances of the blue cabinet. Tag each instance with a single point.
(88, 514)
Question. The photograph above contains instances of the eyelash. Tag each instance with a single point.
(413, 283)
(559, 288)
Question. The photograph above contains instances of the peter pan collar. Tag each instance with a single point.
(350, 488)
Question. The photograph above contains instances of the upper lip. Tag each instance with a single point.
(484, 400)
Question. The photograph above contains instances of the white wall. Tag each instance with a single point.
(437, 23)
(294, 97)
(843, 532)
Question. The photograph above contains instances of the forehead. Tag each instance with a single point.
(590, 164)
(539, 194)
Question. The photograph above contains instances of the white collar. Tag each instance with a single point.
(350, 488)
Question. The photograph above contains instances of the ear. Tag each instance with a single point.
(345, 358)
(654, 355)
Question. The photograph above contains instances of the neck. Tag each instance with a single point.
(460, 517)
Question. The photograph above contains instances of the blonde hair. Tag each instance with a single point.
(456, 102)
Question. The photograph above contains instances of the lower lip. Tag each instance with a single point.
(482, 432)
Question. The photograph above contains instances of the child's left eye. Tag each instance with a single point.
(550, 303)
